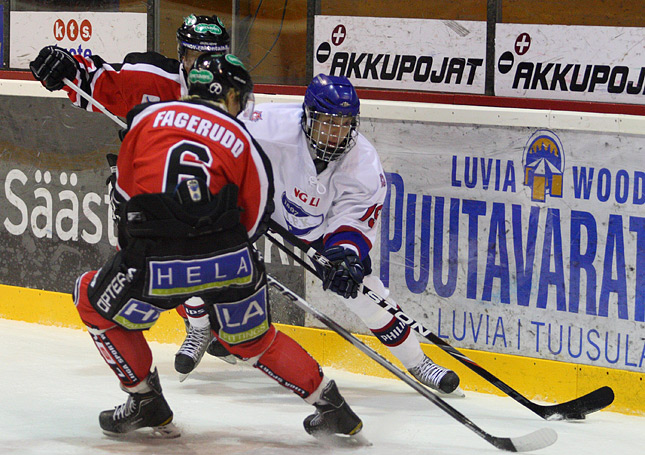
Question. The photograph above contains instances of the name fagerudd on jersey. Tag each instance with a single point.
(202, 127)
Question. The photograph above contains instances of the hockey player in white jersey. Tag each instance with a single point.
(329, 190)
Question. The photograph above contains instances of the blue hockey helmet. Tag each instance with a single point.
(331, 116)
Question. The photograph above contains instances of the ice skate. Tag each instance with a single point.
(436, 377)
(192, 350)
(334, 421)
(217, 349)
(141, 410)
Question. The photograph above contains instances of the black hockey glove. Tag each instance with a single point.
(346, 273)
(52, 64)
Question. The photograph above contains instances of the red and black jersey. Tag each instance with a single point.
(168, 142)
(142, 77)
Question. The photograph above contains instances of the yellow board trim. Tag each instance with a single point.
(537, 379)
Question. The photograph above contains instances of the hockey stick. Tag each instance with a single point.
(575, 409)
(93, 102)
(538, 439)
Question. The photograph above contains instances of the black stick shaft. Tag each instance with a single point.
(527, 442)
(573, 409)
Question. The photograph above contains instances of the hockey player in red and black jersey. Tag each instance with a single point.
(193, 189)
(142, 77)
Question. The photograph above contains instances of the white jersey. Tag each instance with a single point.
(341, 204)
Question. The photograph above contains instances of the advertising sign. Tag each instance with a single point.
(515, 240)
(521, 241)
(411, 54)
(110, 35)
(582, 63)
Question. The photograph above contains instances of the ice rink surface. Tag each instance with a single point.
(54, 384)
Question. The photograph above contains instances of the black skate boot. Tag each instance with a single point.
(333, 416)
(141, 410)
(218, 350)
(436, 377)
(192, 349)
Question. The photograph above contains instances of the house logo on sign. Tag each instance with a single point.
(543, 162)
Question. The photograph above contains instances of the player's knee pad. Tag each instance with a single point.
(86, 311)
(116, 293)
(286, 362)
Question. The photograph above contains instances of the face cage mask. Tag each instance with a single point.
(326, 139)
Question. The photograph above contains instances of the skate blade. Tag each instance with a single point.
(217, 350)
(168, 431)
(231, 359)
(183, 376)
(457, 393)
(334, 440)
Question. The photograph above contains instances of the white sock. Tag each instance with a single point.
(196, 312)
(376, 318)
(315, 396)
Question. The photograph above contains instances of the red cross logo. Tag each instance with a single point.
(338, 35)
(522, 43)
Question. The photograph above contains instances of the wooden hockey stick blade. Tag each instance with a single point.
(532, 441)
(575, 409)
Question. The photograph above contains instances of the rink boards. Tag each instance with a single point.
(537, 379)
(514, 234)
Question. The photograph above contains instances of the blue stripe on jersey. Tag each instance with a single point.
(354, 238)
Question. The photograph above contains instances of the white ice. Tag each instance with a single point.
(54, 384)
